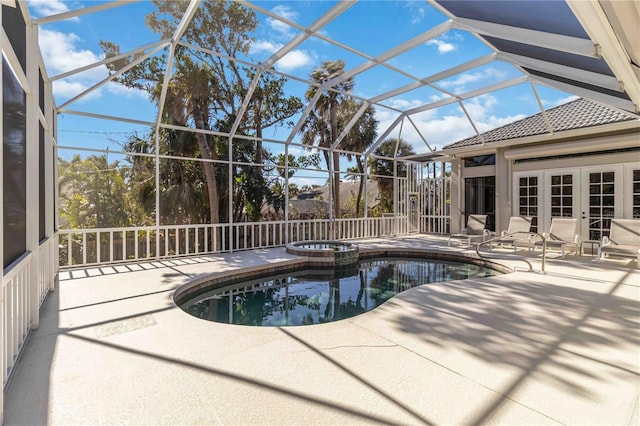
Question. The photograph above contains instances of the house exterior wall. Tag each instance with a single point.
(503, 190)
(457, 186)
(578, 157)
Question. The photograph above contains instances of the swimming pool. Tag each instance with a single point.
(319, 295)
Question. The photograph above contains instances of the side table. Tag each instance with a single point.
(594, 244)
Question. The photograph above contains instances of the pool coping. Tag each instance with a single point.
(214, 280)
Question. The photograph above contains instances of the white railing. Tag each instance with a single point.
(434, 224)
(16, 312)
(21, 296)
(85, 247)
(46, 268)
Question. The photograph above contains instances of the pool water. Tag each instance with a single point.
(318, 296)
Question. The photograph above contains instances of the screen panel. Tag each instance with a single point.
(14, 166)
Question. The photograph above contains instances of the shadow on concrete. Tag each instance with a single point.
(27, 394)
(263, 385)
(361, 379)
(232, 260)
(539, 317)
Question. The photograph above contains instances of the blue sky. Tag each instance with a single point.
(370, 27)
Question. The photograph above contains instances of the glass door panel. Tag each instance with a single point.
(602, 195)
(527, 198)
(480, 198)
(562, 189)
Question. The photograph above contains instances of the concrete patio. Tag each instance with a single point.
(520, 348)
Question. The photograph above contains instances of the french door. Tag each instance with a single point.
(593, 195)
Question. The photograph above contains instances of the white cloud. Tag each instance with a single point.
(447, 42)
(69, 89)
(494, 122)
(438, 97)
(479, 106)
(291, 61)
(49, 7)
(265, 46)
(125, 92)
(551, 104)
(403, 104)
(443, 46)
(438, 131)
(444, 126)
(295, 59)
(61, 53)
(279, 26)
(461, 81)
(419, 14)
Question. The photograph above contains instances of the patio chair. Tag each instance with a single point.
(623, 240)
(475, 230)
(562, 235)
(516, 224)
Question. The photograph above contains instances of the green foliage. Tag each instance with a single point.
(182, 194)
(93, 193)
(330, 115)
(381, 167)
(206, 91)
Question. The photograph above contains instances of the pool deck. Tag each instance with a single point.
(517, 349)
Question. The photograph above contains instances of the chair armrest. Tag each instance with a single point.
(577, 239)
(605, 241)
(503, 233)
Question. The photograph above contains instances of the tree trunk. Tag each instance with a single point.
(333, 121)
(336, 185)
(361, 186)
(258, 123)
(208, 154)
(330, 176)
(212, 184)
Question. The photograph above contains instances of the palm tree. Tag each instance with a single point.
(390, 149)
(321, 125)
(189, 95)
(359, 138)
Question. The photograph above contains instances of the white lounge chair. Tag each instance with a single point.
(623, 240)
(519, 225)
(475, 230)
(563, 234)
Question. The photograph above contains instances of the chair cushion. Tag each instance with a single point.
(476, 224)
(620, 249)
(625, 232)
(555, 243)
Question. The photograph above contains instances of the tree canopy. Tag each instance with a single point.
(206, 91)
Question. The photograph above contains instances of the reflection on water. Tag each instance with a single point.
(313, 297)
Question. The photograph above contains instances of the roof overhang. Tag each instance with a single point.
(626, 127)
(588, 48)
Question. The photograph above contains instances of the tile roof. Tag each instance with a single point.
(576, 114)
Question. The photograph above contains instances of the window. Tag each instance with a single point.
(14, 166)
(14, 26)
(562, 196)
(42, 187)
(528, 199)
(480, 198)
(601, 203)
(480, 160)
(636, 194)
